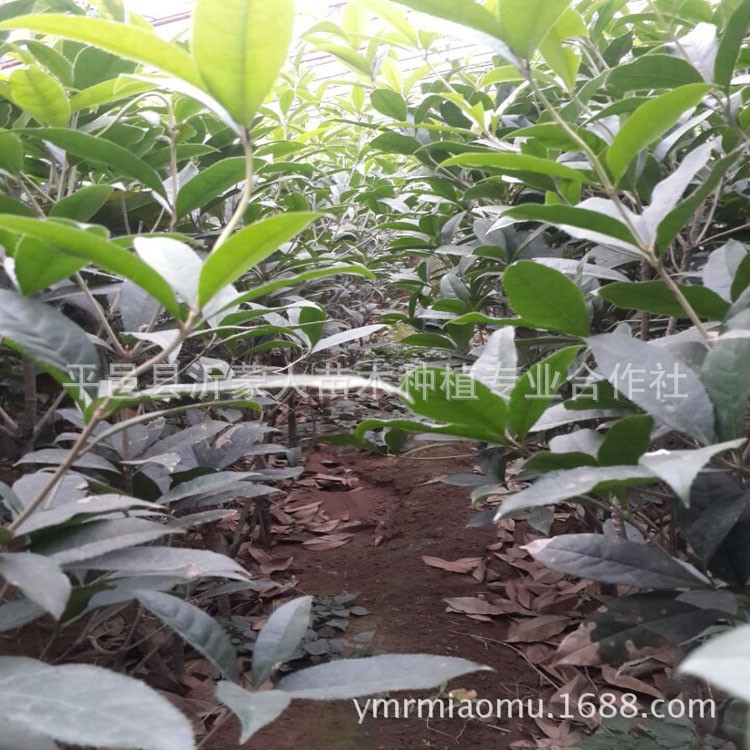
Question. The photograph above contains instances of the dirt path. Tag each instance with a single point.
(408, 517)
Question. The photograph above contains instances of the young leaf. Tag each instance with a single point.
(11, 152)
(546, 299)
(128, 41)
(42, 95)
(649, 122)
(353, 678)
(280, 637)
(196, 627)
(39, 579)
(525, 23)
(254, 710)
(239, 47)
(615, 561)
(246, 249)
(120, 711)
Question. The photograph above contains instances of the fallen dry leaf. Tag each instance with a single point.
(276, 565)
(473, 605)
(537, 629)
(464, 565)
(327, 543)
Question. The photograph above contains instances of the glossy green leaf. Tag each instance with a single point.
(537, 389)
(39, 264)
(680, 468)
(40, 94)
(517, 162)
(351, 678)
(11, 152)
(525, 23)
(196, 627)
(649, 122)
(104, 152)
(732, 38)
(44, 334)
(126, 40)
(120, 711)
(280, 638)
(105, 254)
(254, 710)
(655, 297)
(209, 184)
(246, 249)
(239, 47)
(725, 374)
(546, 298)
(626, 441)
(83, 204)
(451, 397)
(650, 72)
(38, 578)
(389, 103)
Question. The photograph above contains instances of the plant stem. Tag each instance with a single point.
(247, 192)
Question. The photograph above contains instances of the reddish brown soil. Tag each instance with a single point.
(405, 598)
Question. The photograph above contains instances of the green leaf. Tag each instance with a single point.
(680, 468)
(280, 638)
(352, 678)
(120, 711)
(396, 143)
(724, 373)
(246, 249)
(39, 264)
(102, 151)
(724, 662)
(580, 218)
(655, 297)
(128, 41)
(39, 579)
(564, 485)
(633, 366)
(105, 254)
(254, 710)
(546, 298)
(521, 162)
(732, 38)
(83, 204)
(210, 183)
(239, 47)
(614, 561)
(537, 388)
(626, 441)
(175, 262)
(451, 397)
(11, 152)
(525, 23)
(389, 103)
(40, 94)
(196, 627)
(47, 336)
(649, 122)
(650, 72)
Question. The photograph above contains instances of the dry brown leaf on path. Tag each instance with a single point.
(537, 629)
(327, 543)
(473, 605)
(464, 565)
(276, 565)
